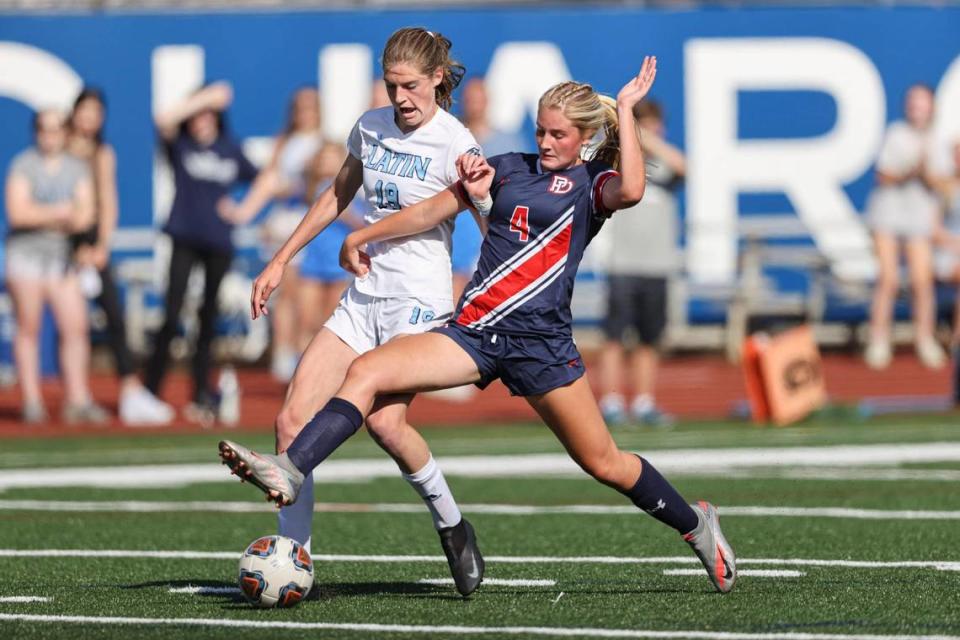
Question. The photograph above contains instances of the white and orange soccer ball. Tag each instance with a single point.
(275, 571)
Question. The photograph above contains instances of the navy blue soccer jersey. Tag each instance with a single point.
(540, 224)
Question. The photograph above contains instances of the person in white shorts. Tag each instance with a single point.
(400, 154)
(48, 196)
(946, 238)
(902, 209)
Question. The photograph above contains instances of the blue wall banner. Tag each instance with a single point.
(781, 111)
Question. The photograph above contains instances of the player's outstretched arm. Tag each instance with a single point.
(627, 189)
(334, 200)
(409, 221)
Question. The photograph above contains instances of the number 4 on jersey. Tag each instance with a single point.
(518, 222)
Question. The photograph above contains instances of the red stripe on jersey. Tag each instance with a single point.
(598, 186)
(522, 275)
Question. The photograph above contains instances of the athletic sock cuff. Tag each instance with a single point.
(419, 476)
(347, 409)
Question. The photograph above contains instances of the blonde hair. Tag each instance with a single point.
(589, 111)
(426, 50)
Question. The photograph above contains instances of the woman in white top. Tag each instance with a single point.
(902, 209)
(400, 154)
(946, 237)
(282, 180)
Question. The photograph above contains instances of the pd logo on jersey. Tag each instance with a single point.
(560, 185)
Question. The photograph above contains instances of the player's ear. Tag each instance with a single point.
(436, 77)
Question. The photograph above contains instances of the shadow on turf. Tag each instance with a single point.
(174, 584)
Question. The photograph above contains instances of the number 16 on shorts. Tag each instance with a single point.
(426, 315)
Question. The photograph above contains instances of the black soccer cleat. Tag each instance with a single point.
(459, 543)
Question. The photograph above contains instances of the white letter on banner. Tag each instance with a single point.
(514, 90)
(177, 71)
(37, 78)
(810, 171)
(346, 78)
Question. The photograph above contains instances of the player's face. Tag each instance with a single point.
(412, 94)
(919, 107)
(558, 140)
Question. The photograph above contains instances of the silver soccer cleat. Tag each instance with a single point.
(274, 475)
(712, 548)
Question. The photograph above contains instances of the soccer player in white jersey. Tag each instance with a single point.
(400, 154)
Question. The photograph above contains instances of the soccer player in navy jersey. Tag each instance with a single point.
(513, 321)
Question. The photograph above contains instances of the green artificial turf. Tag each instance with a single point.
(827, 600)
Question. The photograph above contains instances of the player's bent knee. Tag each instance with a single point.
(387, 431)
(364, 373)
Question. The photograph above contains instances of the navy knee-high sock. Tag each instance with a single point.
(656, 496)
(330, 428)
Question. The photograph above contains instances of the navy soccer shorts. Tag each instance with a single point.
(527, 365)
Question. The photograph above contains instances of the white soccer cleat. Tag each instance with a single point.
(712, 548)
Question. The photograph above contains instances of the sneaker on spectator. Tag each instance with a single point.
(283, 365)
(204, 409)
(930, 353)
(88, 413)
(140, 408)
(613, 409)
(878, 354)
(654, 417)
(34, 413)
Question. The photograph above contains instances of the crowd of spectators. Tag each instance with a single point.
(62, 210)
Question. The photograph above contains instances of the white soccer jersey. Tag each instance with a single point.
(400, 170)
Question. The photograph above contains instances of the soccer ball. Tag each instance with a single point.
(275, 571)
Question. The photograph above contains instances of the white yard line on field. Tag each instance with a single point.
(496, 582)
(678, 461)
(144, 506)
(754, 573)
(944, 565)
(22, 599)
(433, 630)
(204, 591)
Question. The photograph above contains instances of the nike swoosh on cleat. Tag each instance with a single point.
(475, 573)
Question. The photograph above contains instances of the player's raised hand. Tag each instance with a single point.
(476, 175)
(638, 87)
(263, 286)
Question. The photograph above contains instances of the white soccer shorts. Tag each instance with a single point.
(364, 322)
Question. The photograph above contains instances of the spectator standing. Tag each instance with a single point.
(946, 238)
(49, 195)
(643, 255)
(292, 153)
(137, 406)
(207, 163)
(322, 279)
(467, 237)
(902, 210)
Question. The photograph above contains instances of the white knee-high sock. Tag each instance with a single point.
(296, 520)
(430, 484)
